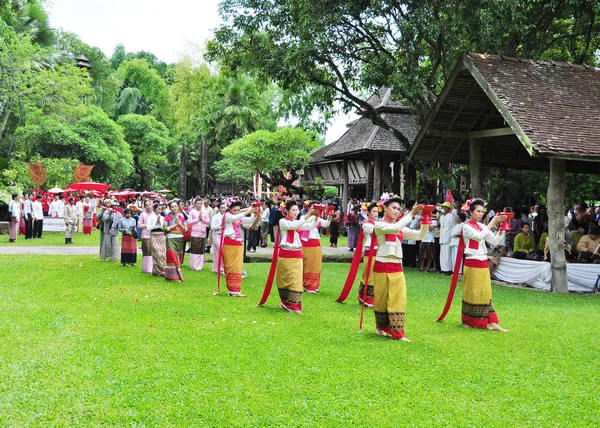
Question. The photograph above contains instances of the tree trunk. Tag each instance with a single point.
(182, 171)
(475, 168)
(5, 120)
(556, 226)
(203, 167)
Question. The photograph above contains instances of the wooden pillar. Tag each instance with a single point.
(401, 175)
(556, 226)
(344, 201)
(368, 195)
(377, 176)
(475, 168)
(397, 172)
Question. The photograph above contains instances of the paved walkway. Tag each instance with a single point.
(74, 250)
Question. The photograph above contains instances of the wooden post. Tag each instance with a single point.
(368, 195)
(475, 168)
(377, 176)
(556, 226)
(402, 180)
(344, 201)
(397, 173)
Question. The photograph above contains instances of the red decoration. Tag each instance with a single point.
(427, 211)
(505, 225)
(37, 173)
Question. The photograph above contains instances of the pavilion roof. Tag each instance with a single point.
(364, 138)
(524, 112)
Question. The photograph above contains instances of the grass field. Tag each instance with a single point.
(86, 343)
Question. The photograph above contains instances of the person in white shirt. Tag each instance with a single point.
(38, 217)
(289, 276)
(28, 215)
(232, 252)
(427, 248)
(79, 214)
(264, 223)
(14, 208)
(477, 308)
(389, 304)
(447, 222)
(215, 227)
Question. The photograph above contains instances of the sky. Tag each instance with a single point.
(163, 27)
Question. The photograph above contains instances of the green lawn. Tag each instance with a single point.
(86, 343)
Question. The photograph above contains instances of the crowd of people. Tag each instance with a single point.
(393, 233)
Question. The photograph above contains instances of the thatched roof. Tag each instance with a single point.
(363, 138)
(521, 111)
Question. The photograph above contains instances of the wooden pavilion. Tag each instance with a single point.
(367, 158)
(516, 113)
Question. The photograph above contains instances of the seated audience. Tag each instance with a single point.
(588, 245)
(524, 246)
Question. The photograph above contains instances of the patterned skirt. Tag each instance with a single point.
(159, 250)
(289, 279)
(128, 250)
(174, 259)
(477, 308)
(389, 303)
(146, 255)
(312, 259)
(233, 261)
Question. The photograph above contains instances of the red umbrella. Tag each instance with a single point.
(164, 191)
(123, 194)
(89, 185)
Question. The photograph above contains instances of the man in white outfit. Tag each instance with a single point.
(447, 222)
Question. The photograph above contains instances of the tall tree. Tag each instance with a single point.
(323, 51)
(149, 141)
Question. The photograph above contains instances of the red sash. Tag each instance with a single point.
(272, 270)
(454, 282)
(220, 256)
(353, 269)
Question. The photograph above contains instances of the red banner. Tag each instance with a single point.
(37, 173)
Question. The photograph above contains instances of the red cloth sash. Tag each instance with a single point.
(220, 258)
(473, 244)
(272, 270)
(232, 242)
(289, 254)
(353, 269)
(382, 267)
(312, 243)
(474, 263)
(454, 282)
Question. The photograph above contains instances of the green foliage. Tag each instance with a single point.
(104, 83)
(318, 52)
(136, 73)
(93, 139)
(59, 171)
(149, 141)
(91, 339)
(330, 192)
(277, 153)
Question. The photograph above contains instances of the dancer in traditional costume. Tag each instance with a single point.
(145, 235)
(289, 274)
(232, 251)
(174, 226)
(158, 247)
(368, 228)
(389, 304)
(312, 253)
(128, 239)
(215, 227)
(477, 308)
(198, 220)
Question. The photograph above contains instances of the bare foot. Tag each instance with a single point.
(466, 325)
(405, 339)
(380, 332)
(495, 326)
